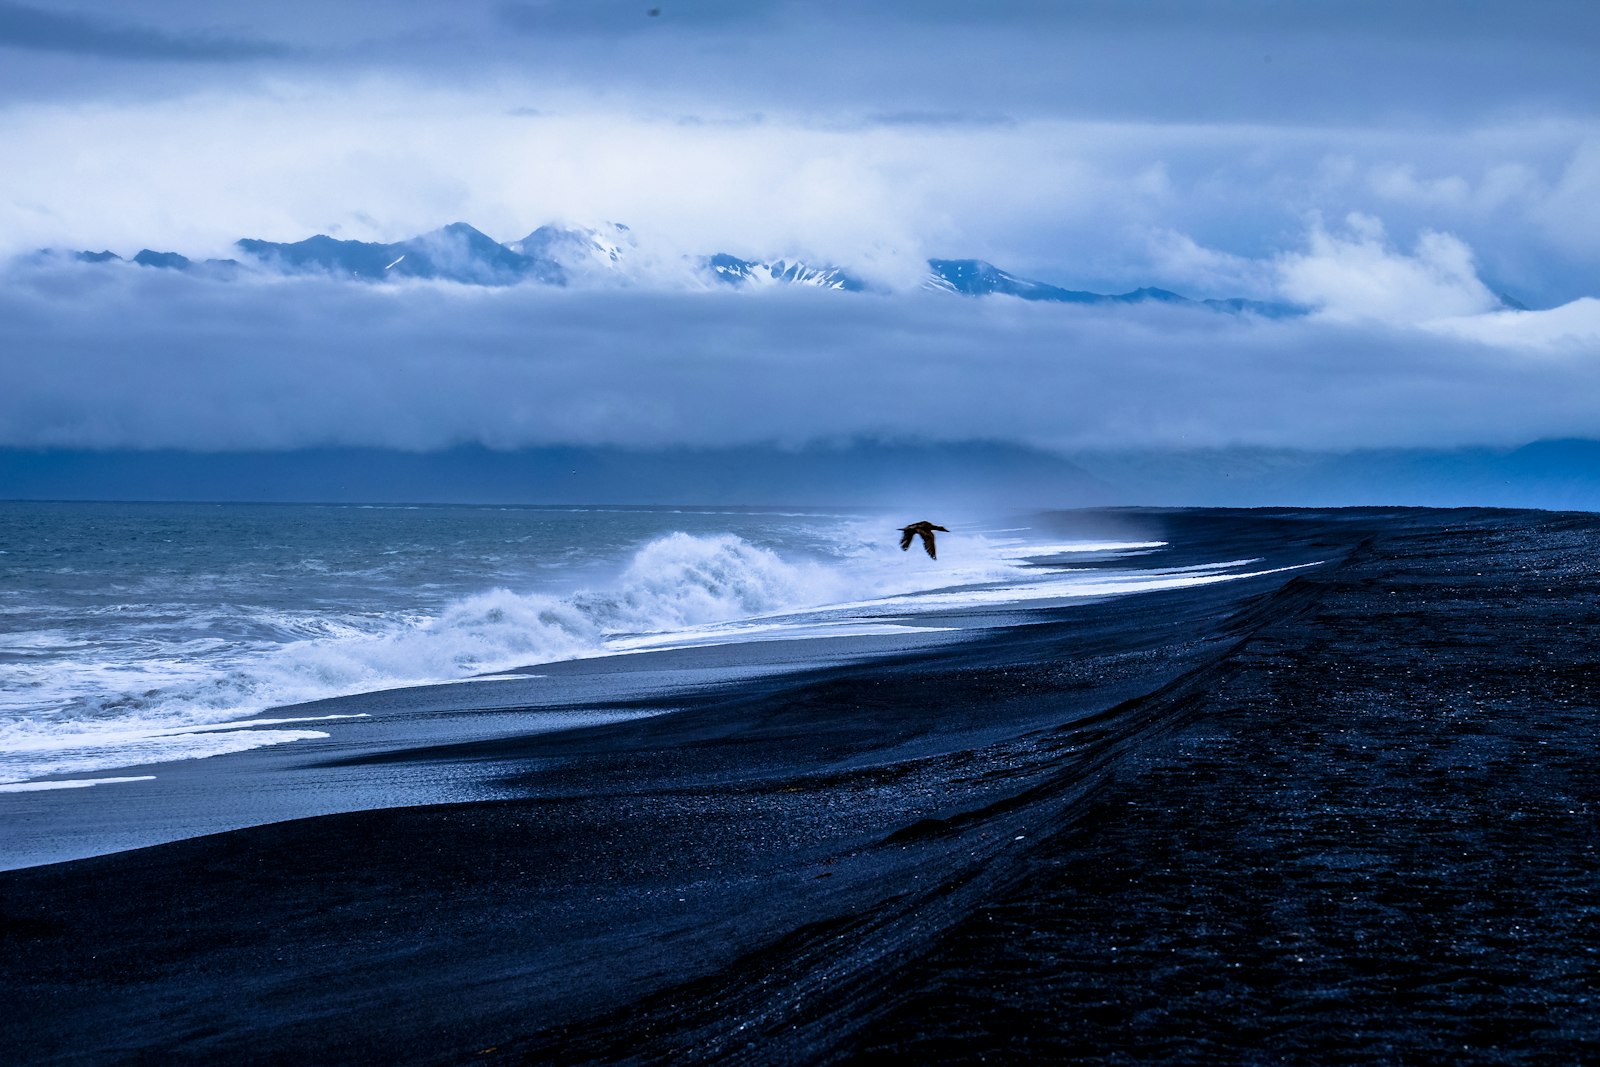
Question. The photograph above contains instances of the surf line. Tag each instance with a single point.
(70, 783)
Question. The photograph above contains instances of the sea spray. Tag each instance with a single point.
(679, 580)
(75, 714)
(154, 646)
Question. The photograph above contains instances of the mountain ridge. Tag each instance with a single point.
(566, 255)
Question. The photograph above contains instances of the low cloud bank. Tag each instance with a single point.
(1106, 203)
(133, 359)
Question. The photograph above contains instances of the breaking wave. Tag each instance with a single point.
(83, 706)
(80, 705)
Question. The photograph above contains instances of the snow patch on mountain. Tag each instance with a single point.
(580, 252)
(735, 271)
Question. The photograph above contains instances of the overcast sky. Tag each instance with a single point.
(1395, 166)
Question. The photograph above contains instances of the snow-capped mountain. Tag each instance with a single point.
(974, 277)
(578, 251)
(610, 255)
(735, 271)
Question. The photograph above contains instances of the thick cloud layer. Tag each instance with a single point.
(1098, 206)
(1095, 145)
(129, 357)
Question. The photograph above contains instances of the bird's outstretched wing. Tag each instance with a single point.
(924, 530)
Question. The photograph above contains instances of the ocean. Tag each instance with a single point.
(140, 634)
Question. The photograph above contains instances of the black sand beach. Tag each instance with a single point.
(1346, 814)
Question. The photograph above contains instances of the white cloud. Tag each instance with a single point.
(1071, 201)
(1359, 275)
(1570, 214)
(1400, 182)
(1182, 262)
(383, 161)
(1571, 330)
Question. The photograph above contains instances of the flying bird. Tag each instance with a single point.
(924, 530)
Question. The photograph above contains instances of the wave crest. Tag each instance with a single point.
(679, 580)
(673, 581)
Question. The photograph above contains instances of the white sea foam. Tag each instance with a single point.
(1081, 586)
(1026, 550)
(785, 629)
(129, 747)
(151, 700)
(70, 783)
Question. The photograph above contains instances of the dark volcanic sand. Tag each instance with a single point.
(1348, 816)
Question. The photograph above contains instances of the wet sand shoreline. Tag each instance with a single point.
(936, 855)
